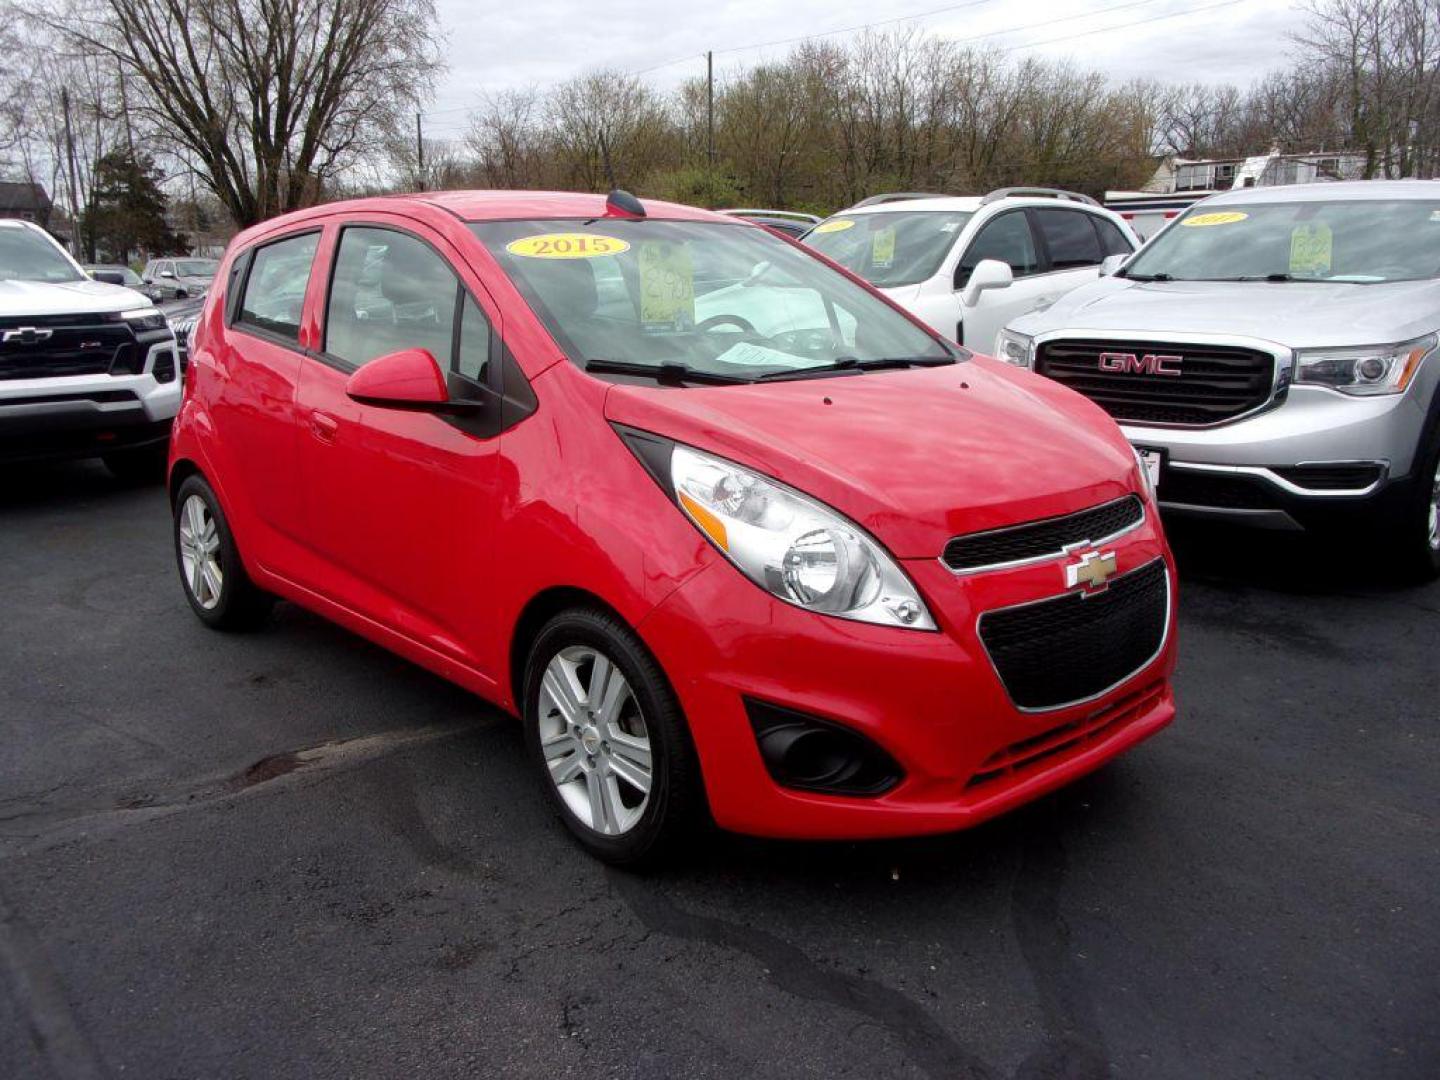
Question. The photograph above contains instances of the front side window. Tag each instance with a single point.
(1357, 242)
(27, 256)
(1006, 238)
(275, 286)
(1112, 240)
(389, 291)
(902, 247)
(1071, 239)
(728, 300)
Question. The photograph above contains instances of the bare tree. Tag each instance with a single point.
(274, 98)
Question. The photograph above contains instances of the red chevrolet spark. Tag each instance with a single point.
(731, 533)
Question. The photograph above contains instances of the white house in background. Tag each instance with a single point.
(1177, 182)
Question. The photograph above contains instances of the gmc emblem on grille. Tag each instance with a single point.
(1127, 363)
(27, 335)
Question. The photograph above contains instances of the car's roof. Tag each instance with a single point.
(968, 203)
(1330, 191)
(509, 205)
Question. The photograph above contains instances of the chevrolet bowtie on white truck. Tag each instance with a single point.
(87, 369)
(1272, 354)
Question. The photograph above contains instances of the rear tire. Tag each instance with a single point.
(219, 590)
(609, 741)
(144, 465)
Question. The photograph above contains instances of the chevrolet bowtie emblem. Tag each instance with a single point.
(1092, 570)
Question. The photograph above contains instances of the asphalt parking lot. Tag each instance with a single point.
(289, 854)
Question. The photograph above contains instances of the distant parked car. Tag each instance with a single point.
(178, 278)
(118, 274)
(967, 266)
(790, 222)
(1273, 354)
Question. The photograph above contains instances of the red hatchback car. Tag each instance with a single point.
(729, 531)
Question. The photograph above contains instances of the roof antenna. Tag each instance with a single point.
(618, 203)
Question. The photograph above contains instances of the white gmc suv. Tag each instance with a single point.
(87, 369)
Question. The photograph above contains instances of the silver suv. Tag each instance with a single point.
(1272, 355)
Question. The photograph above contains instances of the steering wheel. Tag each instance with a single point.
(743, 325)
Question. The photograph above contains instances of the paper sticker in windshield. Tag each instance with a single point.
(1310, 250)
(835, 225)
(566, 246)
(1229, 217)
(882, 248)
(667, 285)
(748, 354)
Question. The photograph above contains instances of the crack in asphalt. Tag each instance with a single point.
(41, 826)
(1075, 1045)
(924, 1041)
(55, 1032)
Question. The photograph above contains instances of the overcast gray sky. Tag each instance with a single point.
(541, 42)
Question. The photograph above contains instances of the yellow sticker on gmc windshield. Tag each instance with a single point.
(838, 224)
(1228, 217)
(1311, 247)
(566, 246)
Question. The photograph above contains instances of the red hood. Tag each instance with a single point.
(916, 456)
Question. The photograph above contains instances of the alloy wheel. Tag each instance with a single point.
(594, 740)
(1435, 510)
(200, 553)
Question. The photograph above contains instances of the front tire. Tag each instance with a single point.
(219, 591)
(609, 740)
(1415, 536)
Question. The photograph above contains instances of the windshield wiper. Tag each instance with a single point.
(669, 371)
(851, 363)
(1148, 277)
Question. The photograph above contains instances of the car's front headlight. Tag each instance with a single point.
(1365, 371)
(790, 545)
(144, 319)
(1013, 348)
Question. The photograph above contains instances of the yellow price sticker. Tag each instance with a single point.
(835, 225)
(1311, 246)
(566, 246)
(882, 248)
(1228, 217)
(667, 284)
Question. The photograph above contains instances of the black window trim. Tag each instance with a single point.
(234, 304)
(451, 370)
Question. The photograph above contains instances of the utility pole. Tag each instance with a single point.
(74, 184)
(125, 112)
(420, 151)
(710, 109)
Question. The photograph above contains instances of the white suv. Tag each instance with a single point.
(87, 369)
(967, 266)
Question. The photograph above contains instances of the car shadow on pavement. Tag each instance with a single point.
(35, 485)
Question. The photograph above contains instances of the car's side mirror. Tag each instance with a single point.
(109, 277)
(1111, 263)
(408, 379)
(988, 274)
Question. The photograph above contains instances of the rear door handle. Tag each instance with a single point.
(324, 426)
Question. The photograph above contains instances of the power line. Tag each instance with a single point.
(1050, 22)
(1127, 25)
(858, 26)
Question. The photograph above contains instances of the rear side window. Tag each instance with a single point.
(1006, 238)
(389, 292)
(1070, 238)
(275, 286)
(1112, 240)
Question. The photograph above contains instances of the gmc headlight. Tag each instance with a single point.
(1013, 348)
(1372, 369)
(144, 319)
(790, 545)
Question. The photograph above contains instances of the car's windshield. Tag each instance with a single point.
(899, 247)
(1355, 241)
(24, 256)
(201, 268)
(726, 300)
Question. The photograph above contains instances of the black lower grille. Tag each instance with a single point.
(1227, 491)
(1073, 647)
(1214, 383)
(1049, 536)
(1337, 477)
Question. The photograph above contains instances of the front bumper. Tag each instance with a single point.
(1264, 470)
(82, 416)
(932, 701)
